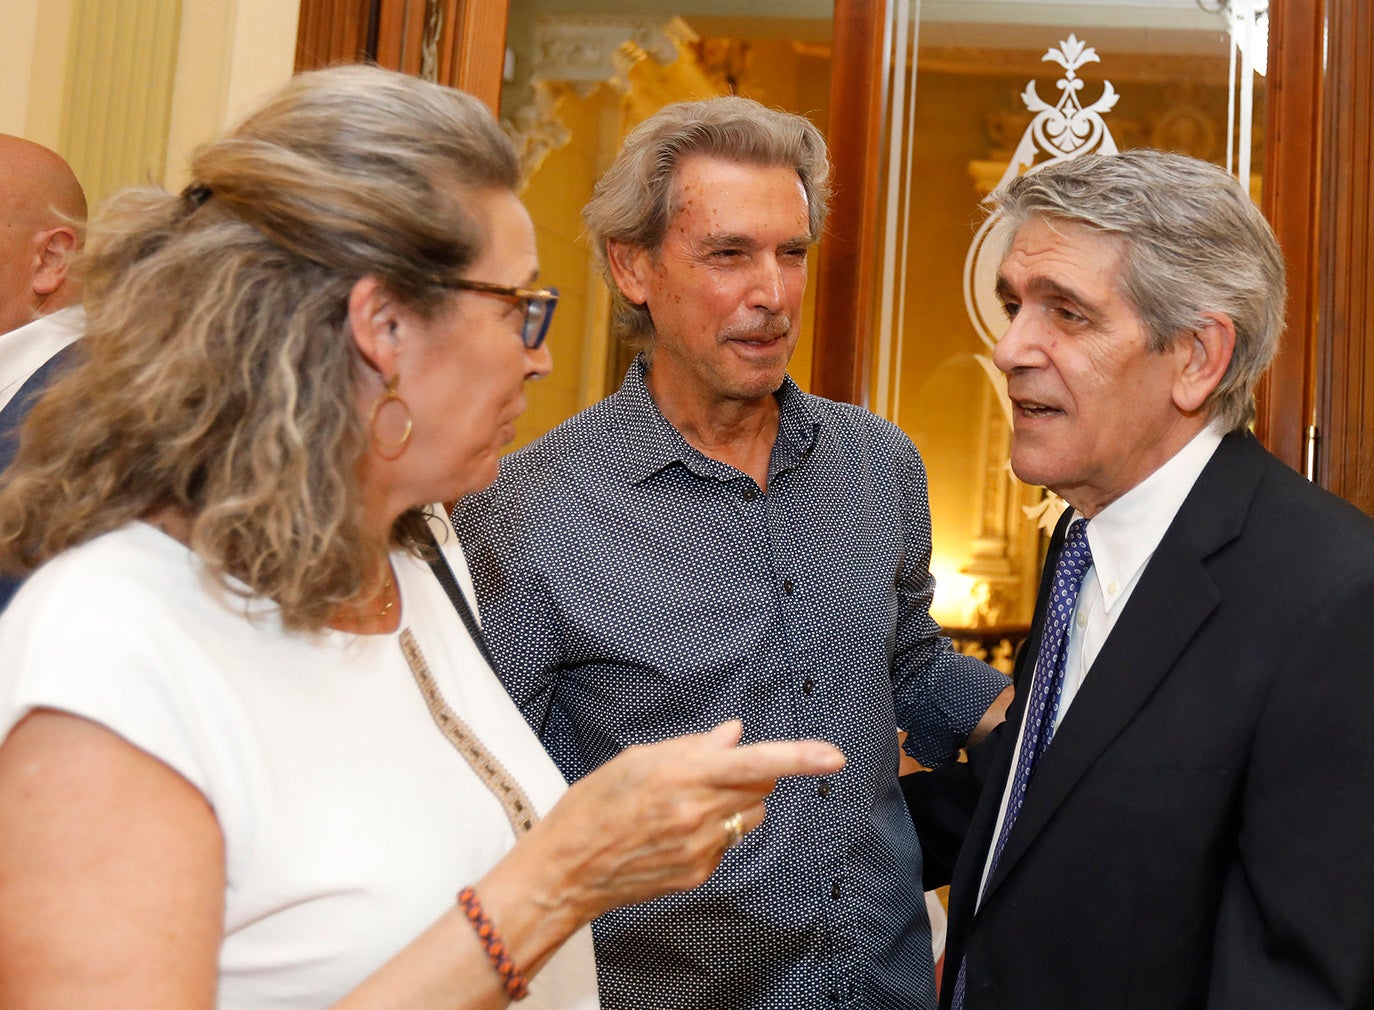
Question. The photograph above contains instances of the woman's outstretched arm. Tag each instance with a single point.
(112, 868)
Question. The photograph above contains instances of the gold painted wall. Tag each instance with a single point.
(554, 198)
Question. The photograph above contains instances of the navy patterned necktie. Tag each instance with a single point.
(1075, 558)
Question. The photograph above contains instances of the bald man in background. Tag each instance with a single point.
(42, 210)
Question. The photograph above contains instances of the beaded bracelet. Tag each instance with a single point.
(511, 979)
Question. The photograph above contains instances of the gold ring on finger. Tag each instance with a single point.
(734, 827)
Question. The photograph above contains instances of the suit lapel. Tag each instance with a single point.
(1174, 597)
(968, 870)
(13, 415)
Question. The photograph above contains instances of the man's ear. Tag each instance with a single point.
(374, 318)
(1207, 349)
(54, 250)
(630, 265)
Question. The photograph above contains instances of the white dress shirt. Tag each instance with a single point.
(25, 350)
(1122, 537)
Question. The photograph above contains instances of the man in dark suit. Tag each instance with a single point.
(42, 209)
(1179, 809)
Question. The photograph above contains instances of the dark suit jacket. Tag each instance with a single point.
(12, 419)
(1200, 832)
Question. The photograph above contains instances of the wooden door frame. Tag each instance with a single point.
(1317, 400)
(477, 50)
(849, 260)
(1291, 201)
(1345, 331)
(471, 50)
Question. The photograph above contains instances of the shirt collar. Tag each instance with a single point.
(1125, 534)
(24, 349)
(653, 444)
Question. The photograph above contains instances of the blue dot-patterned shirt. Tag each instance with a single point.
(633, 589)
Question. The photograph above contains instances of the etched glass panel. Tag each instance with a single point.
(981, 91)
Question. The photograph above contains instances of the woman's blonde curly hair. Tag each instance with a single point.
(218, 371)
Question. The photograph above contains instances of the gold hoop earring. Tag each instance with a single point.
(390, 450)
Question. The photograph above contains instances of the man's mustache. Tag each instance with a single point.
(774, 326)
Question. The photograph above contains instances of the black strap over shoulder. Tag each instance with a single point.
(439, 565)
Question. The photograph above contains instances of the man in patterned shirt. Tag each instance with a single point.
(712, 543)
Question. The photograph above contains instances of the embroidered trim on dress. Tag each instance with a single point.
(519, 810)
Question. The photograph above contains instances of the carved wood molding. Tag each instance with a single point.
(586, 47)
(578, 52)
(1291, 199)
(1346, 318)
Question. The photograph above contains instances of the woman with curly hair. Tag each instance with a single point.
(250, 752)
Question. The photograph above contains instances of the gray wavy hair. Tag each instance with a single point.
(634, 201)
(1193, 242)
(219, 369)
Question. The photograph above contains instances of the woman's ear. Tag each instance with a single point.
(374, 320)
(1208, 347)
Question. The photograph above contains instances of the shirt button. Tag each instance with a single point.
(823, 790)
(787, 586)
(808, 685)
(750, 494)
(1112, 588)
(1081, 620)
(835, 889)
